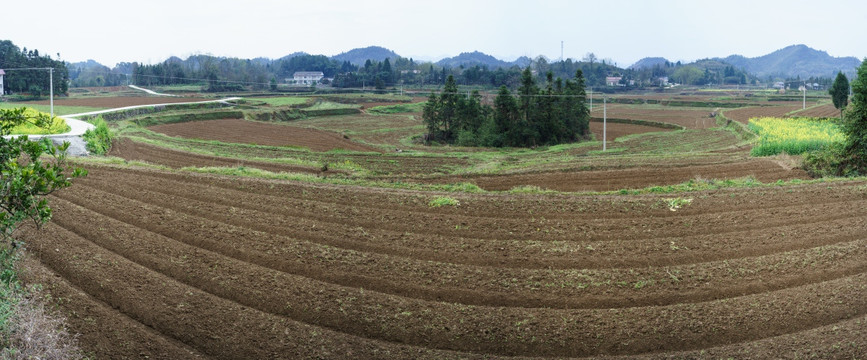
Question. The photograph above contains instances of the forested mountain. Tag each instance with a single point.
(358, 56)
(35, 82)
(92, 73)
(648, 62)
(795, 60)
(468, 59)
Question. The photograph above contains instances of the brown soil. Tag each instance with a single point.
(823, 111)
(116, 102)
(637, 177)
(689, 118)
(745, 114)
(135, 151)
(249, 132)
(616, 130)
(157, 264)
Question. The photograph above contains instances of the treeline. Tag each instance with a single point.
(33, 82)
(551, 115)
(259, 74)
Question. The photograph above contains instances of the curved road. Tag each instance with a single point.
(78, 127)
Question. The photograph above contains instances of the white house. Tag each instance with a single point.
(612, 80)
(1, 81)
(307, 77)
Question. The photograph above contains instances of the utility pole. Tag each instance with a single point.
(51, 89)
(604, 123)
(805, 96)
(591, 99)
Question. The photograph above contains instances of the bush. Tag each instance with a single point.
(443, 201)
(99, 138)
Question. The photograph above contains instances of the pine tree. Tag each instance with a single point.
(855, 121)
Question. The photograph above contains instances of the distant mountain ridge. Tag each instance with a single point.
(796, 60)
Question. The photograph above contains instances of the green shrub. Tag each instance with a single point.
(443, 201)
(99, 138)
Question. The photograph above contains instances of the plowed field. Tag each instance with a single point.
(616, 130)
(745, 114)
(822, 111)
(154, 264)
(637, 177)
(135, 151)
(248, 132)
(690, 118)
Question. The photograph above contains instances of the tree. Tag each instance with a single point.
(855, 121)
(840, 92)
(27, 178)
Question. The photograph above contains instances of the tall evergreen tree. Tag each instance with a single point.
(855, 122)
(840, 92)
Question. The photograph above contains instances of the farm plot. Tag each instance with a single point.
(136, 151)
(690, 118)
(637, 177)
(616, 130)
(820, 111)
(174, 265)
(249, 132)
(745, 114)
(116, 102)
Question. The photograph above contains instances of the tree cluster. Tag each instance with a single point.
(536, 116)
(34, 82)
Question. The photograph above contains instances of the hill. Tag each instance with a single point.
(360, 55)
(471, 59)
(795, 60)
(648, 62)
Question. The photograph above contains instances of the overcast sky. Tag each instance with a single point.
(623, 30)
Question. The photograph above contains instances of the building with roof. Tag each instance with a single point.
(307, 77)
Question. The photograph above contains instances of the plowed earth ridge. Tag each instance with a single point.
(231, 267)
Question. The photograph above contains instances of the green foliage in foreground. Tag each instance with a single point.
(98, 139)
(849, 158)
(56, 125)
(27, 177)
(793, 136)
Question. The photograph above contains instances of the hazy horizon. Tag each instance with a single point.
(622, 30)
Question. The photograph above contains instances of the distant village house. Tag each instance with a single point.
(613, 80)
(307, 77)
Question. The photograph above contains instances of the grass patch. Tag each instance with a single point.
(330, 105)
(443, 201)
(285, 100)
(397, 109)
(793, 136)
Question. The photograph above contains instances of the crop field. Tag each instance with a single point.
(819, 111)
(690, 118)
(793, 136)
(242, 131)
(744, 115)
(188, 242)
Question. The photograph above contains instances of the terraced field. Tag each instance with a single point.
(181, 265)
(171, 263)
